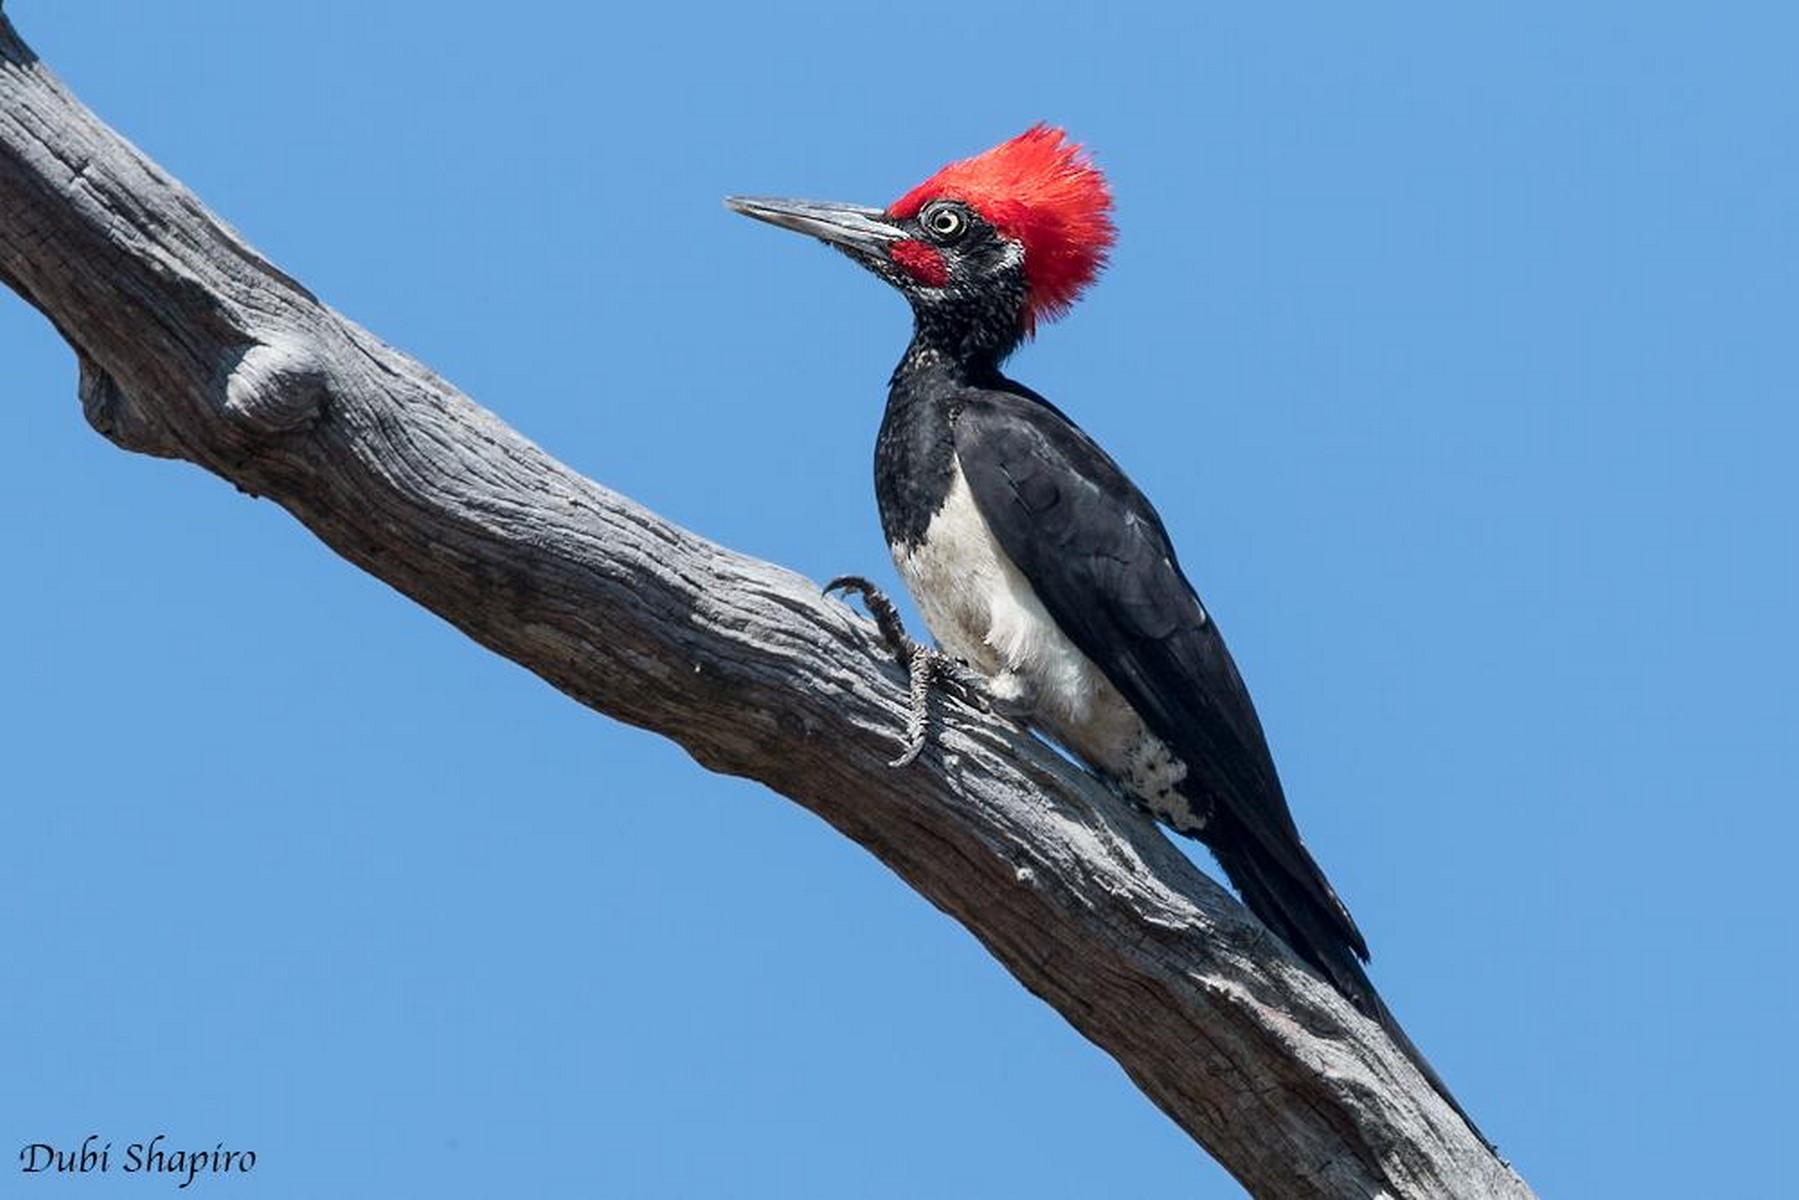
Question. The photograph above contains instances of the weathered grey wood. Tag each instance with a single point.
(191, 346)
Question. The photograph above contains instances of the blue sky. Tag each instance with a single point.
(1456, 348)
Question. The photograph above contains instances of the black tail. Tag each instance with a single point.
(1296, 916)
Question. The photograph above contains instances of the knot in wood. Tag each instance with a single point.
(278, 385)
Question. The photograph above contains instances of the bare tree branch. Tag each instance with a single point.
(192, 346)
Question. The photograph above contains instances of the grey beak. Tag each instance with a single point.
(846, 225)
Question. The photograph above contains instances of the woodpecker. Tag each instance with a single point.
(1034, 559)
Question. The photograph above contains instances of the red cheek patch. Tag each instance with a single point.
(921, 262)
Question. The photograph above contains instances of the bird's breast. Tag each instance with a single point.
(981, 609)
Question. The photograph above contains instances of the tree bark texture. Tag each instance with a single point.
(192, 346)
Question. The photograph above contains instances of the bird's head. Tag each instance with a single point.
(983, 249)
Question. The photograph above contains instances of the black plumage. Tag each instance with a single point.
(1037, 560)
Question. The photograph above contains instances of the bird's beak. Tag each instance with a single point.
(845, 225)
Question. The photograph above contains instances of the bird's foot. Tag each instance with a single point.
(925, 665)
(881, 607)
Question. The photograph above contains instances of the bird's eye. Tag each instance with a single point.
(945, 223)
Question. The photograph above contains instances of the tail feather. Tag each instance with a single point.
(1313, 934)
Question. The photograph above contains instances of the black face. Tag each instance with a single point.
(966, 281)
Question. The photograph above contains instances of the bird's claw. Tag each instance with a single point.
(882, 609)
(929, 666)
(924, 665)
(962, 681)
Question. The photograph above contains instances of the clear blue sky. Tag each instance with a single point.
(1455, 348)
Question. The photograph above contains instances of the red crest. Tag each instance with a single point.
(1040, 190)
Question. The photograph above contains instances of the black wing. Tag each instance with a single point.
(1097, 555)
(1101, 563)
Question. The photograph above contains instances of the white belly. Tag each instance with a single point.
(981, 609)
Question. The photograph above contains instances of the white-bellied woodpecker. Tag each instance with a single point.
(1035, 561)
